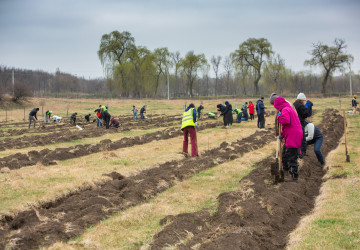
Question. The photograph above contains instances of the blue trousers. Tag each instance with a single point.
(317, 148)
(98, 122)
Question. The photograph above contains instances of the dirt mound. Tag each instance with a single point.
(259, 215)
(69, 216)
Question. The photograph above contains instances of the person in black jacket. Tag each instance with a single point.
(302, 112)
(354, 104)
(73, 118)
(87, 117)
(106, 117)
(228, 116)
(32, 116)
(142, 111)
(221, 108)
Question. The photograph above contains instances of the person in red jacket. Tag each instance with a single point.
(251, 110)
(291, 133)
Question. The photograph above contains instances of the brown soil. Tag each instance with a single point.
(68, 217)
(49, 157)
(62, 133)
(259, 215)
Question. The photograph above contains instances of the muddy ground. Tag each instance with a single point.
(68, 216)
(260, 215)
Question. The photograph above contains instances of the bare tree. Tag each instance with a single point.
(228, 67)
(176, 59)
(331, 58)
(252, 53)
(215, 61)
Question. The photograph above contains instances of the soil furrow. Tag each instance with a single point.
(69, 216)
(259, 215)
(49, 157)
(64, 134)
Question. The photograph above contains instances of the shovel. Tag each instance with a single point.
(275, 166)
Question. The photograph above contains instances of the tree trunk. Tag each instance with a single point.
(256, 85)
(326, 77)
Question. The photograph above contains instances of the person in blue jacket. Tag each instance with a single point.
(308, 106)
(314, 136)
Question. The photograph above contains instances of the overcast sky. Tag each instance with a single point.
(66, 34)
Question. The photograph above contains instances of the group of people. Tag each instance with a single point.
(297, 131)
(142, 112)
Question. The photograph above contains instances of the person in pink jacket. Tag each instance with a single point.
(291, 133)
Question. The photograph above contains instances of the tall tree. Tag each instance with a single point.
(176, 62)
(190, 65)
(215, 61)
(252, 53)
(162, 61)
(275, 69)
(114, 49)
(331, 58)
(228, 67)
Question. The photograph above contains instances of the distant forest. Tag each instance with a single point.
(135, 72)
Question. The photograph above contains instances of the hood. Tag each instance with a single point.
(280, 103)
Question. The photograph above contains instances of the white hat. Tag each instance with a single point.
(301, 96)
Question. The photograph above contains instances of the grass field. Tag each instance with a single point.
(334, 223)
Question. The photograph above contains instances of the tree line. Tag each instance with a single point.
(133, 71)
(254, 68)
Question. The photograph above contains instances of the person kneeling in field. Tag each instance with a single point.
(239, 114)
(211, 115)
(57, 118)
(314, 136)
(114, 122)
(292, 134)
(73, 119)
(188, 127)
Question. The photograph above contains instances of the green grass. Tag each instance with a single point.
(336, 221)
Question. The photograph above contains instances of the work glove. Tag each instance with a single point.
(279, 114)
(280, 138)
(196, 124)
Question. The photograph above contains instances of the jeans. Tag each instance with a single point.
(142, 115)
(98, 122)
(135, 116)
(31, 118)
(252, 117)
(238, 118)
(317, 148)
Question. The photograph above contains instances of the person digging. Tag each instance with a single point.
(32, 116)
(188, 126)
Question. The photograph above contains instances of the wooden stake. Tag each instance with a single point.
(346, 151)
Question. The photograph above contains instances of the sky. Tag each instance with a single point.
(66, 34)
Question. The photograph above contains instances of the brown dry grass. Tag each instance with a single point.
(134, 227)
(37, 184)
